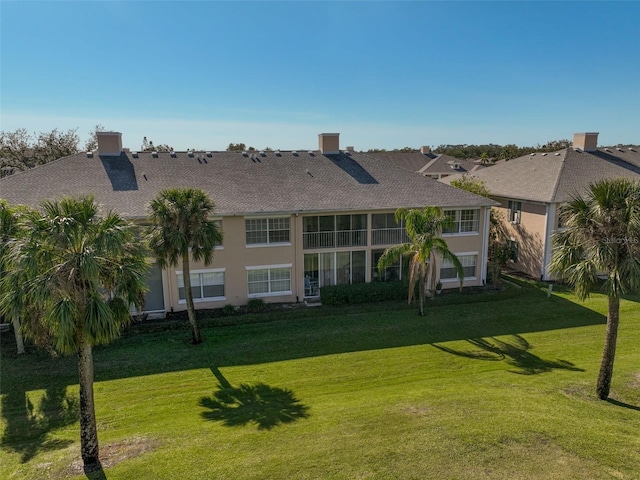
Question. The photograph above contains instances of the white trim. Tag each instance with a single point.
(203, 270)
(266, 215)
(263, 267)
(461, 234)
(270, 294)
(457, 279)
(260, 245)
(203, 300)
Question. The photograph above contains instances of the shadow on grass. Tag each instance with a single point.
(97, 474)
(515, 352)
(259, 404)
(28, 427)
(618, 403)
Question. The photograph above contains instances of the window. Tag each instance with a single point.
(514, 211)
(265, 231)
(391, 273)
(448, 270)
(205, 285)
(218, 224)
(512, 245)
(462, 221)
(333, 268)
(271, 280)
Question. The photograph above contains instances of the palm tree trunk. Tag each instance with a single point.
(18, 334)
(88, 429)
(421, 286)
(191, 309)
(609, 353)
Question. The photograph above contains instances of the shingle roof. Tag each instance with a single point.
(428, 164)
(238, 183)
(559, 176)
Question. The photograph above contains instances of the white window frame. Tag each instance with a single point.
(268, 268)
(182, 301)
(268, 243)
(457, 279)
(457, 221)
(218, 222)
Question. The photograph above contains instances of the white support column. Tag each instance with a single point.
(549, 228)
(485, 244)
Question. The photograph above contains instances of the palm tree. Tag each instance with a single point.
(181, 224)
(601, 238)
(81, 273)
(424, 229)
(9, 231)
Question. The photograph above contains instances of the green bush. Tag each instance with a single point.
(363, 293)
(229, 310)
(256, 305)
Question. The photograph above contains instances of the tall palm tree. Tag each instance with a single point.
(81, 273)
(601, 238)
(9, 232)
(424, 229)
(181, 225)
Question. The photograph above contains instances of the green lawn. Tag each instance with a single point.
(503, 389)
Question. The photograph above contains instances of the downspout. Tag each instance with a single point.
(548, 240)
(485, 244)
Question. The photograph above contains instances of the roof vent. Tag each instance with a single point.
(577, 150)
(631, 149)
(209, 154)
(532, 154)
(262, 153)
(154, 154)
(620, 149)
(191, 153)
(90, 154)
(278, 154)
(294, 153)
(134, 154)
(557, 154)
(173, 154)
(245, 154)
(607, 150)
(544, 154)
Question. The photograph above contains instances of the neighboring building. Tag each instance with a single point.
(293, 221)
(429, 164)
(531, 188)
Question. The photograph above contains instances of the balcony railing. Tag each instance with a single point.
(389, 236)
(342, 238)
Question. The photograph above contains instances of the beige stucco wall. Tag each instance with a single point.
(529, 234)
(235, 256)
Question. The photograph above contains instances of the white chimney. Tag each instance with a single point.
(329, 143)
(587, 142)
(425, 149)
(109, 144)
(350, 149)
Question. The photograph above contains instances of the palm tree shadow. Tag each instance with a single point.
(55, 410)
(618, 403)
(515, 352)
(259, 404)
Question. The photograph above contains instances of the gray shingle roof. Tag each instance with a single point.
(238, 184)
(427, 164)
(557, 177)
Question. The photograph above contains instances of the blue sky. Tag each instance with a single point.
(275, 74)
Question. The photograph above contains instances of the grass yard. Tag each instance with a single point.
(501, 389)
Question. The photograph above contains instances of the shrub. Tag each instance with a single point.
(229, 310)
(363, 293)
(256, 305)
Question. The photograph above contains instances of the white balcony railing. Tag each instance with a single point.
(342, 238)
(389, 236)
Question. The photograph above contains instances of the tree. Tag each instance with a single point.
(470, 184)
(601, 238)
(81, 273)
(92, 143)
(239, 147)
(10, 231)
(20, 151)
(424, 229)
(181, 224)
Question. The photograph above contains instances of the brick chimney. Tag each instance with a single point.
(109, 143)
(587, 142)
(425, 149)
(329, 142)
